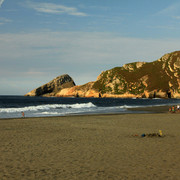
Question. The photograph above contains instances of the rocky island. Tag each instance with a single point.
(157, 79)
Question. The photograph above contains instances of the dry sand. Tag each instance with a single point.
(90, 147)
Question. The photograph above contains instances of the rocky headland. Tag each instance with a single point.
(157, 79)
(53, 87)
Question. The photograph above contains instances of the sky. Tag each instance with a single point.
(42, 39)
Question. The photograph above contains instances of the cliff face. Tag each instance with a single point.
(54, 86)
(85, 90)
(160, 78)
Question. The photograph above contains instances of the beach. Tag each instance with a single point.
(90, 147)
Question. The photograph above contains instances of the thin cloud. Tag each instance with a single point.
(52, 8)
(4, 20)
(69, 47)
(170, 10)
(176, 17)
(168, 27)
(1, 2)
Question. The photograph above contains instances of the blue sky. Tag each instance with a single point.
(42, 39)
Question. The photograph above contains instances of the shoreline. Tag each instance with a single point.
(138, 110)
(153, 109)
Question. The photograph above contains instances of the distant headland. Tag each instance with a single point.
(157, 79)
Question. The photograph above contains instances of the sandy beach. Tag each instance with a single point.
(90, 147)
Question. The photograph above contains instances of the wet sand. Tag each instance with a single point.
(90, 147)
(154, 109)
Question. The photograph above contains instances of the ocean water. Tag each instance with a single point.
(13, 106)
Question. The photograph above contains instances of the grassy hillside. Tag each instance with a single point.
(160, 75)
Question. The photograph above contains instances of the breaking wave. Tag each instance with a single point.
(12, 106)
(48, 107)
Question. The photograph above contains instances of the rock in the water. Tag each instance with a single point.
(54, 86)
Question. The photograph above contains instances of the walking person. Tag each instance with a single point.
(23, 115)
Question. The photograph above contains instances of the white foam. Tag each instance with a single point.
(49, 113)
(47, 107)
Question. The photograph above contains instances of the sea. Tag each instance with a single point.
(13, 106)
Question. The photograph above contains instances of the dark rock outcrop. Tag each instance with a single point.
(54, 86)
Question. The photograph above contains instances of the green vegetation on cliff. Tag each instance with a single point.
(160, 78)
(136, 78)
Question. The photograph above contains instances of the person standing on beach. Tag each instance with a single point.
(22, 114)
(178, 107)
(170, 110)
